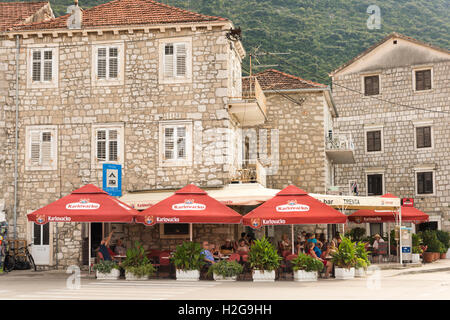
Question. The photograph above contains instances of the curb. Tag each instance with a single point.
(422, 271)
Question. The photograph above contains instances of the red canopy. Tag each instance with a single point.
(292, 206)
(87, 204)
(409, 214)
(189, 205)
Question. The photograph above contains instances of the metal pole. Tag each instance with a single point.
(16, 156)
(89, 253)
(190, 231)
(292, 238)
(389, 239)
(400, 235)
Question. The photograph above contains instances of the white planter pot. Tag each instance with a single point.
(263, 275)
(132, 277)
(415, 258)
(222, 278)
(188, 275)
(360, 272)
(113, 275)
(344, 273)
(302, 275)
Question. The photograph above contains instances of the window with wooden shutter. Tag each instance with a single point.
(181, 142)
(46, 148)
(108, 145)
(425, 183)
(175, 143)
(101, 145)
(175, 60)
(113, 62)
(181, 60)
(374, 184)
(423, 137)
(423, 80)
(373, 141)
(42, 148)
(36, 76)
(42, 65)
(35, 147)
(169, 145)
(48, 61)
(371, 85)
(101, 63)
(168, 60)
(113, 145)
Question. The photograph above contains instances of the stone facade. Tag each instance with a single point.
(395, 61)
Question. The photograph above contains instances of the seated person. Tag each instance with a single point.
(327, 264)
(244, 237)
(285, 244)
(209, 258)
(376, 243)
(214, 249)
(104, 249)
(242, 247)
(120, 250)
(227, 248)
(311, 239)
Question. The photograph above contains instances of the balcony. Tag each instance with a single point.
(251, 173)
(250, 109)
(340, 148)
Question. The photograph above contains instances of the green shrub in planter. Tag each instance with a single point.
(357, 234)
(226, 269)
(263, 256)
(345, 256)
(416, 239)
(417, 250)
(363, 254)
(188, 256)
(306, 263)
(361, 264)
(444, 238)
(137, 262)
(105, 266)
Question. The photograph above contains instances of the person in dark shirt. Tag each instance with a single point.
(104, 248)
(227, 248)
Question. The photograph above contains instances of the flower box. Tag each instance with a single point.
(218, 277)
(263, 275)
(344, 273)
(188, 275)
(415, 258)
(302, 275)
(132, 277)
(360, 272)
(113, 275)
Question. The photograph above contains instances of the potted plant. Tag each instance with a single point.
(137, 266)
(416, 252)
(264, 260)
(344, 259)
(188, 260)
(444, 238)
(226, 270)
(306, 268)
(362, 259)
(107, 270)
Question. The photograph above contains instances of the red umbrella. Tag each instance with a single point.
(189, 205)
(87, 204)
(292, 206)
(409, 214)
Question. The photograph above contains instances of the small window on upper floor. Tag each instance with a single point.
(108, 64)
(175, 60)
(374, 142)
(371, 85)
(425, 183)
(107, 143)
(41, 148)
(423, 80)
(43, 67)
(423, 137)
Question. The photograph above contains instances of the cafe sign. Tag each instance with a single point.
(292, 206)
(189, 204)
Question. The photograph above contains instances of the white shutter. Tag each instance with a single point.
(168, 60)
(36, 70)
(101, 63)
(35, 147)
(113, 62)
(181, 59)
(181, 142)
(46, 148)
(48, 61)
(169, 143)
(101, 145)
(112, 145)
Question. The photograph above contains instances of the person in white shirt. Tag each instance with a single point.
(377, 241)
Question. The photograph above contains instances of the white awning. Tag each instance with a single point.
(250, 194)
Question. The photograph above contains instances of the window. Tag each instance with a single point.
(425, 183)
(175, 143)
(175, 60)
(423, 79)
(43, 67)
(174, 231)
(371, 85)
(423, 137)
(108, 143)
(373, 141)
(374, 184)
(41, 153)
(376, 228)
(108, 63)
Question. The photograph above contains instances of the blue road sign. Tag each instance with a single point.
(112, 179)
(406, 249)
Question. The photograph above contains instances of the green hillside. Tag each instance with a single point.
(320, 35)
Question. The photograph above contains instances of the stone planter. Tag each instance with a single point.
(415, 258)
(344, 273)
(263, 275)
(218, 277)
(188, 275)
(132, 277)
(443, 256)
(427, 257)
(360, 273)
(113, 275)
(436, 256)
(302, 275)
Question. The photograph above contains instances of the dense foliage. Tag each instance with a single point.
(188, 256)
(263, 256)
(105, 266)
(137, 262)
(345, 256)
(307, 263)
(320, 35)
(362, 255)
(431, 240)
(226, 268)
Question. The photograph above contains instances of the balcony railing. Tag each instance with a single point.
(340, 148)
(251, 173)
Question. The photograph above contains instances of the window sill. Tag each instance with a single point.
(105, 83)
(182, 163)
(175, 80)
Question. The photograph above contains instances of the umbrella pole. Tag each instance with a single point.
(89, 253)
(190, 231)
(292, 238)
(400, 236)
(389, 240)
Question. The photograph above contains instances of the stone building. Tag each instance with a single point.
(159, 91)
(395, 99)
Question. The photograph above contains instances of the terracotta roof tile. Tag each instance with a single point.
(14, 13)
(272, 79)
(126, 12)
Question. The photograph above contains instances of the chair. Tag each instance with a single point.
(100, 257)
(164, 261)
(381, 251)
(286, 265)
(235, 257)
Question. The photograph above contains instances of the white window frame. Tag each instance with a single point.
(120, 143)
(54, 82)
(189, 57)
(417, 170)
(363, 84)
(369, 128)
(29, 165)
(370, 172)
(189, 144)
(120, 64)
(421, 68)
(420, 124)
